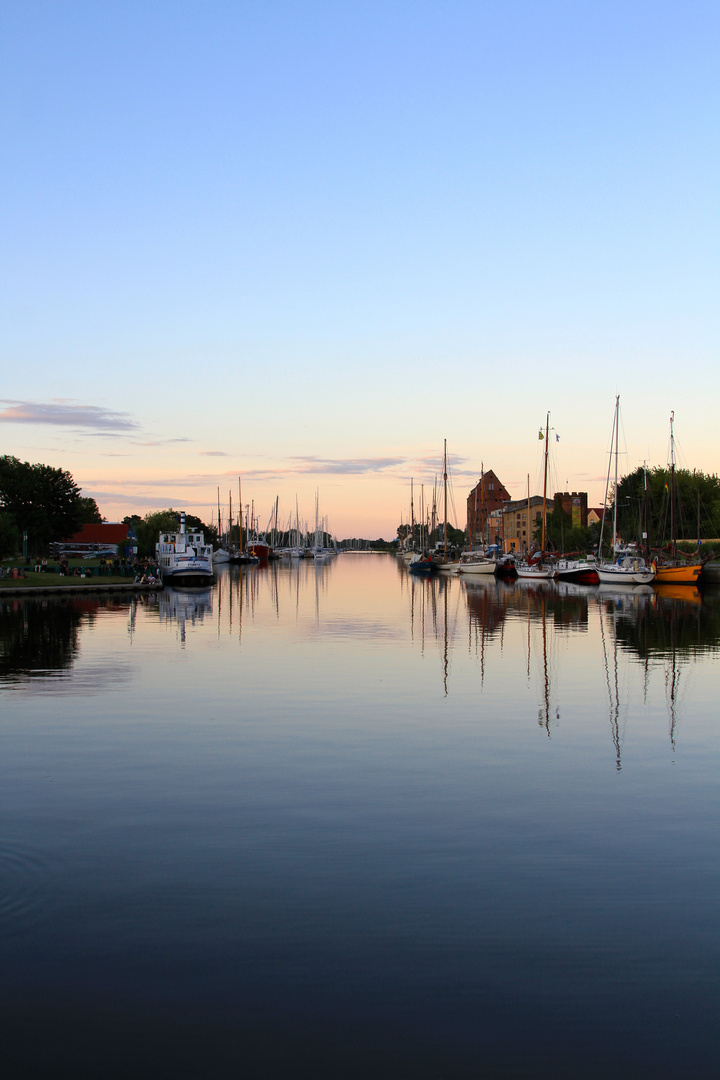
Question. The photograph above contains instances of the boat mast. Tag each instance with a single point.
(422, 520)
(229, 539)
(240, 522)
(412, 515)
(547, 433)
(673, 530)
(615, 494)
(445, 497)
(482, 507)
(219, 517)
(528, 534)
(646, 532)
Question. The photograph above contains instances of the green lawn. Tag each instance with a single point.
(40, 581)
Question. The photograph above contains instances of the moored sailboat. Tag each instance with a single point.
(628, 565)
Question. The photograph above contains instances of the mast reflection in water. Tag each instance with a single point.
(327, 819)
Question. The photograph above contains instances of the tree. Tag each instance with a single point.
(8, 535)
(148, 529)
(42, 501)
(560, 535)
(90, 512)
(694, 492)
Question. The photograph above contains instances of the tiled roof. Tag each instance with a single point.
(105, 533)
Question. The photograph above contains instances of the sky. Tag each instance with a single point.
(304, 243)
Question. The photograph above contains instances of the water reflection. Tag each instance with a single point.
(183, 608)
(40, 636)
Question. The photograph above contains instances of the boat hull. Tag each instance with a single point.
(199, 577)
(421, 566)
(535, 573)
(678, 575)
(482, 566)
(619, 575)
(582, 573)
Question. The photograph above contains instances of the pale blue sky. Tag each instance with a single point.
(305, 242)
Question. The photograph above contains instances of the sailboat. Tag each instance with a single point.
(472, 562)
(422, 563)
(538, 570)
(222, 555)
(442, 561)
(672, 571)
(629, 567)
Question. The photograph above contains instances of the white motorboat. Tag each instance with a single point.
(476, 564)
(183, 557)
(535, 571)
(630, 569)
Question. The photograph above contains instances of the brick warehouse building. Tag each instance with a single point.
(488, 495)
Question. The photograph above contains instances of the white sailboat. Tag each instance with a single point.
(539, 570)
(627, 566)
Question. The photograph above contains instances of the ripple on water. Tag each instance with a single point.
(24, 892)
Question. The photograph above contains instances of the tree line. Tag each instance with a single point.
(39, 503)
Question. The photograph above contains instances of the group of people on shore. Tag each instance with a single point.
(145, 572)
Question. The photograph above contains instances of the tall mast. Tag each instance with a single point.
(482, 508)
(615, 497)
(219, 517)
(422, 520)
(646, 531)
(529, 531)
(240, 523)
(229, 539)
(673, 530)
(445, 498)
(412, 514)
(547, 432)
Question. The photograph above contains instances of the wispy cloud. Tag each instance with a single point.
(213, 453)
(161, 442)
(344, 466)
(66, 413)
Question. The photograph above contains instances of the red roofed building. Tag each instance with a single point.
(104, 537)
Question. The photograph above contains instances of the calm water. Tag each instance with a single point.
(335, 822)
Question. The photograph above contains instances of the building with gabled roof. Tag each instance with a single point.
(488, 495)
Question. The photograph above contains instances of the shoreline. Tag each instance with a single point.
(44, 590)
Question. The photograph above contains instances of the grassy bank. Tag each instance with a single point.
(49, 580)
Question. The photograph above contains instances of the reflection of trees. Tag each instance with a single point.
(565, 604)
(666, 625)
(38, 636)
